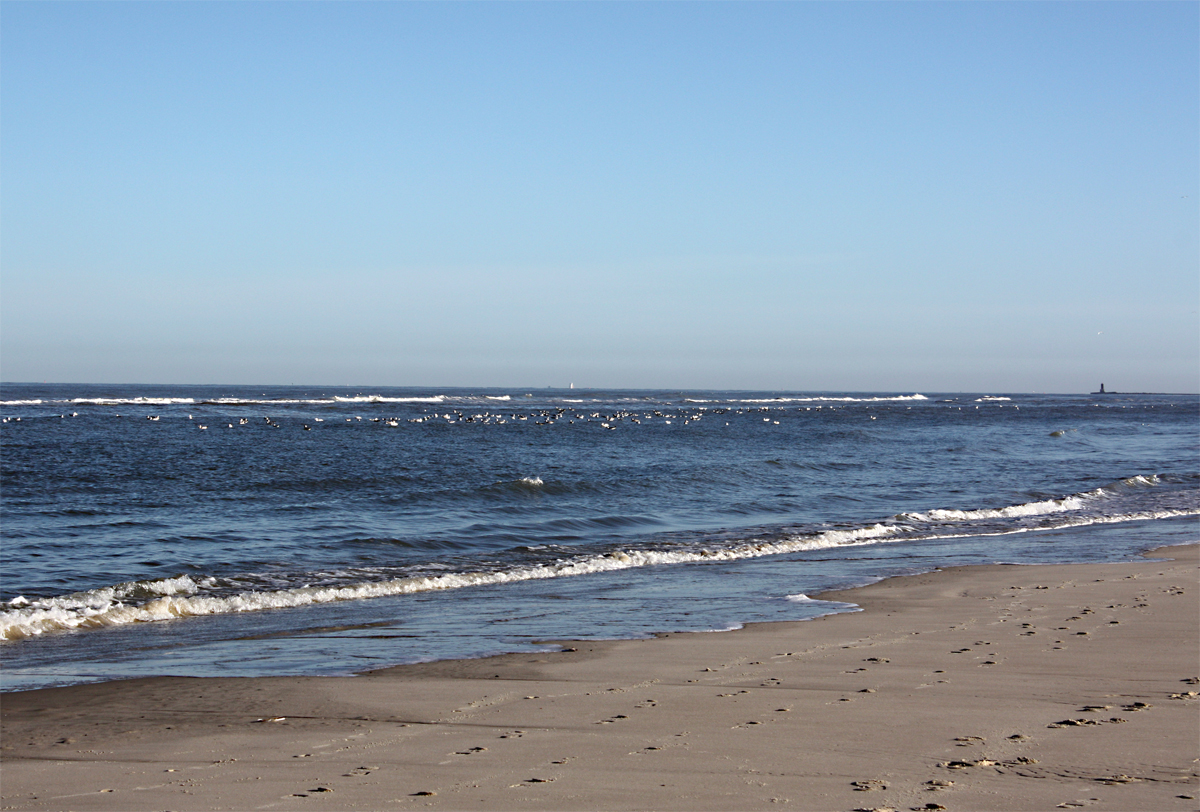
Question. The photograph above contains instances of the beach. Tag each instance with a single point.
(986, 687)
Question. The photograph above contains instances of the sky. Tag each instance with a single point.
(790, 196)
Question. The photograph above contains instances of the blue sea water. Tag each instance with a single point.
(233, 530)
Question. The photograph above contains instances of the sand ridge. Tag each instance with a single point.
(992, 687)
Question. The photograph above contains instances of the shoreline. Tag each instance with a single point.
(979, 687)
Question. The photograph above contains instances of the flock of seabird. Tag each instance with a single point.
(544, 417)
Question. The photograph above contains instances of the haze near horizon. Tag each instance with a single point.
(984, 197)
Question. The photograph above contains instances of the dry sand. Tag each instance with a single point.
(993, 687)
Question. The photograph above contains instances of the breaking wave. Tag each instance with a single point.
(131, 401)
(838, 399)
(818, 399)
(179, 597)
(183, 596)
(1040, 508)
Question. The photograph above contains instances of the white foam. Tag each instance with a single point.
(107, 607)
(1130, 517)
(1139, 480)
(230, 401)
(380, 399)
(824, 607)
(990, 399)
(165, 599)
(835, 399)
(1086, 521)
(132, 401)
(1012, 511)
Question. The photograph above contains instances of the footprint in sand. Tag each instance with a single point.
(1114, 720)
(963, 765)
(1112, 780)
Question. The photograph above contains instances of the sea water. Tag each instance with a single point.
(233, 530)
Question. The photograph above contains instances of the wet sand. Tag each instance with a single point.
(975, 688)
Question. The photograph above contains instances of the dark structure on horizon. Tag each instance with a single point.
(1104, 391)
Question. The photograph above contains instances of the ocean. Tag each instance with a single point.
(272, 530)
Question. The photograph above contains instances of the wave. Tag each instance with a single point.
(183, 596)
(830, 399)
(177, 597)
(330, 401)
(1012, 511)
(233, 401)
(1040, 508)
(419, 399)
(380, 399)
(525, 484)
(139, 401)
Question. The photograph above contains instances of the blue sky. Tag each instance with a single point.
(795, 196)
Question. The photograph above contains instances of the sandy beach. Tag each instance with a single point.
(978, 688)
